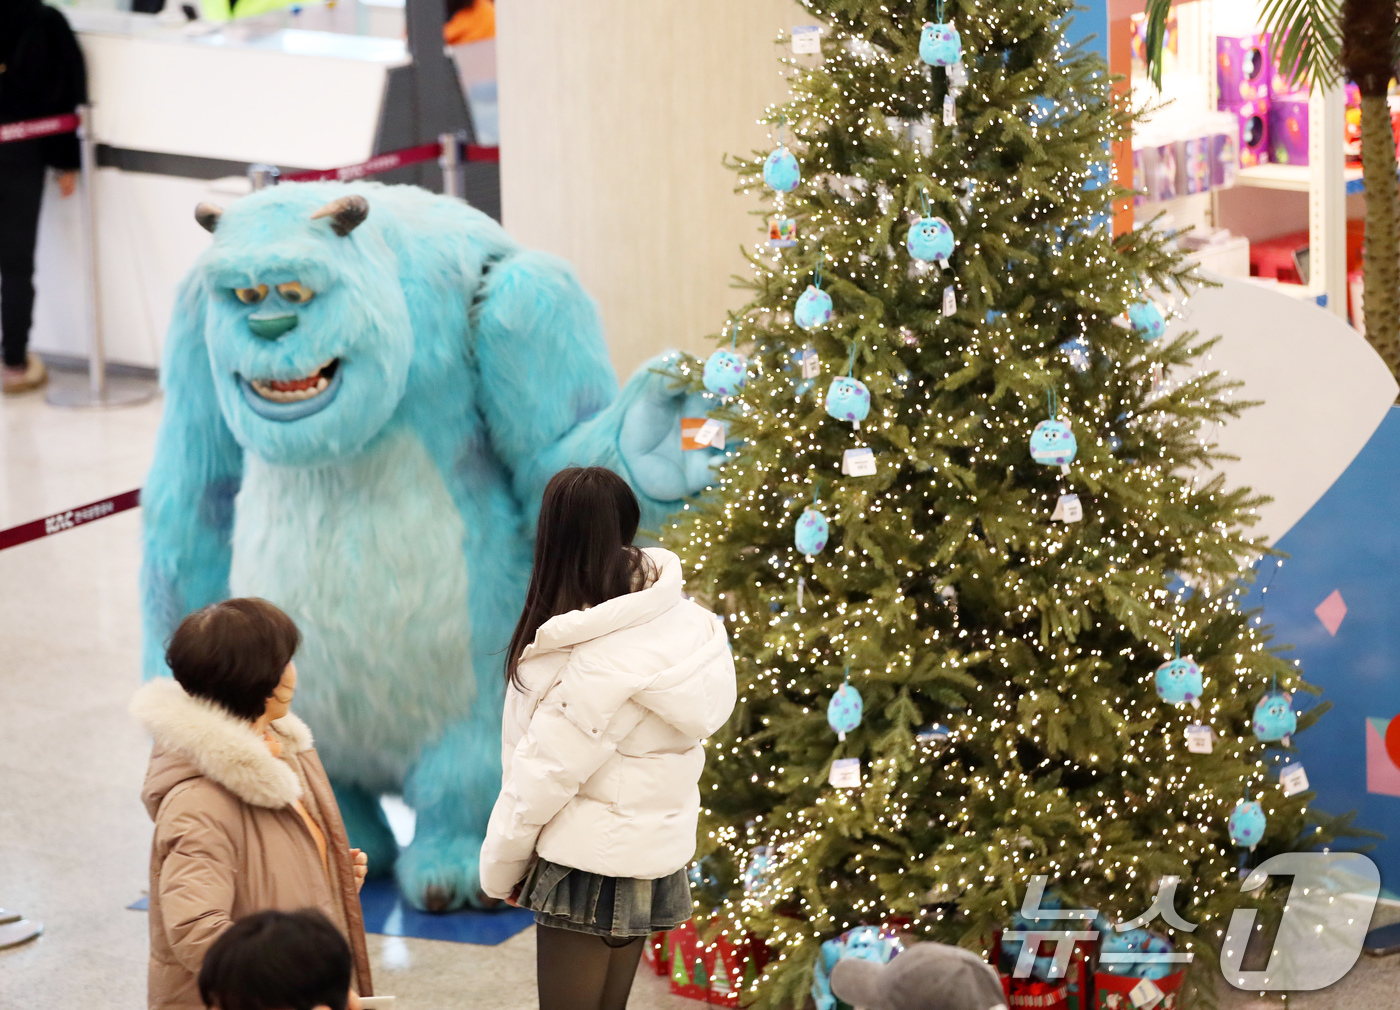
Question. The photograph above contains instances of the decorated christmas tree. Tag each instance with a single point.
(985, 593)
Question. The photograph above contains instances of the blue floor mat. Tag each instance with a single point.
(388, 914)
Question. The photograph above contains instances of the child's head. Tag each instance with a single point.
(278, 961)
(583, 549)
(237, 654)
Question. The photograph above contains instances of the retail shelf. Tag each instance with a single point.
(1294, 177)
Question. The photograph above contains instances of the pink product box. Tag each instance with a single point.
(1139, 177)
(1253, 133)
(1288, 130)
(1244, 68)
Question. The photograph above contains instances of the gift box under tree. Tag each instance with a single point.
(1122, 992)
(1068, 993)
(714, 973)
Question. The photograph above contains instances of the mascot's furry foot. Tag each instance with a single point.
(367, 827)
(440, 874)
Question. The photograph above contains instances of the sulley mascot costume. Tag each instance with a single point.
(367, 388)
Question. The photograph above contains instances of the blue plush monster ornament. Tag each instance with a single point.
(1076, 351)
(1247, 823)
(1147, 320)
(811, 532)
(1274, 718)
(865, 942)
(1179, 682)
(844, 711)
(1111, 941)
(1053, 443)
(366, 390)
(940, 45)
(930, 239)
(1042, 967)
(780, 170)
(756, 871)
(847, 399)
(724, 372)
(813, 308)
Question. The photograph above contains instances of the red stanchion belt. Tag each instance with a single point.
(379, 163)
(28, 129)
(388, 162)
(61, 521)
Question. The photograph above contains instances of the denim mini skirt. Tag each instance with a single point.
(565, 898)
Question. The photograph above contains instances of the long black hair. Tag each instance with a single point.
(583, 551)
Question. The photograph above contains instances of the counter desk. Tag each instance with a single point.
(179, 115)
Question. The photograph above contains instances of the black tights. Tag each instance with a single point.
(581, 971)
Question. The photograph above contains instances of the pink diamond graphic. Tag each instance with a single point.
(1331, 611)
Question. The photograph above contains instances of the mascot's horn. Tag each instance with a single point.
(346, 213)
(208, 214)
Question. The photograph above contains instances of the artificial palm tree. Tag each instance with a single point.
(1317, 42)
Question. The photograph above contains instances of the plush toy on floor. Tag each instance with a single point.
(367, 388)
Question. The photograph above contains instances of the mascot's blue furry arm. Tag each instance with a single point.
(544, 427)
(189, 491)
(367, 389)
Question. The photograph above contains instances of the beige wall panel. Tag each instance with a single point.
(615, 115)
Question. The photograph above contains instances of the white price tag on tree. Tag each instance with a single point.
(807, 39)
(950, 110)
(1145, 995)
(845, 773)
(711, 433)
(950, 300)
(1068, 509)
(1293, 779)
(1199, 739)
(811, 364)
(858, 462)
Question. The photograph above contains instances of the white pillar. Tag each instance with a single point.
(615, 115)
(1327, 198)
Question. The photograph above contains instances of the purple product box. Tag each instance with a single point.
(1288, 130)
(1225, 160)
(1161, 172)
(1253, 133)
(1196, 165)
(1139, 177)
(1244, 68)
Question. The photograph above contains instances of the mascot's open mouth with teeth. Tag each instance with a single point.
(292, 399)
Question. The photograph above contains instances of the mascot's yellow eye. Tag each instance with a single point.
(251, 296)
(295, 292)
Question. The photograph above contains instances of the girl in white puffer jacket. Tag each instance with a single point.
(615, 678)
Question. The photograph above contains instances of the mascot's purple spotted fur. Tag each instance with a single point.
(366, 390)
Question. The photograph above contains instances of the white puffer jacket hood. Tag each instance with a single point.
(601, 753)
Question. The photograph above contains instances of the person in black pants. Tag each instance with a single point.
(41, 74)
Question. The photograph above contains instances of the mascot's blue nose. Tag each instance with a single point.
(270, 327)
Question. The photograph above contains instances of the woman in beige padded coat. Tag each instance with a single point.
(245, 820)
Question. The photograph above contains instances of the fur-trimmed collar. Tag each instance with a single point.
(221, 746)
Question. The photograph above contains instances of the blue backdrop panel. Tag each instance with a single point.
(1350, 542)
(1090, 19)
